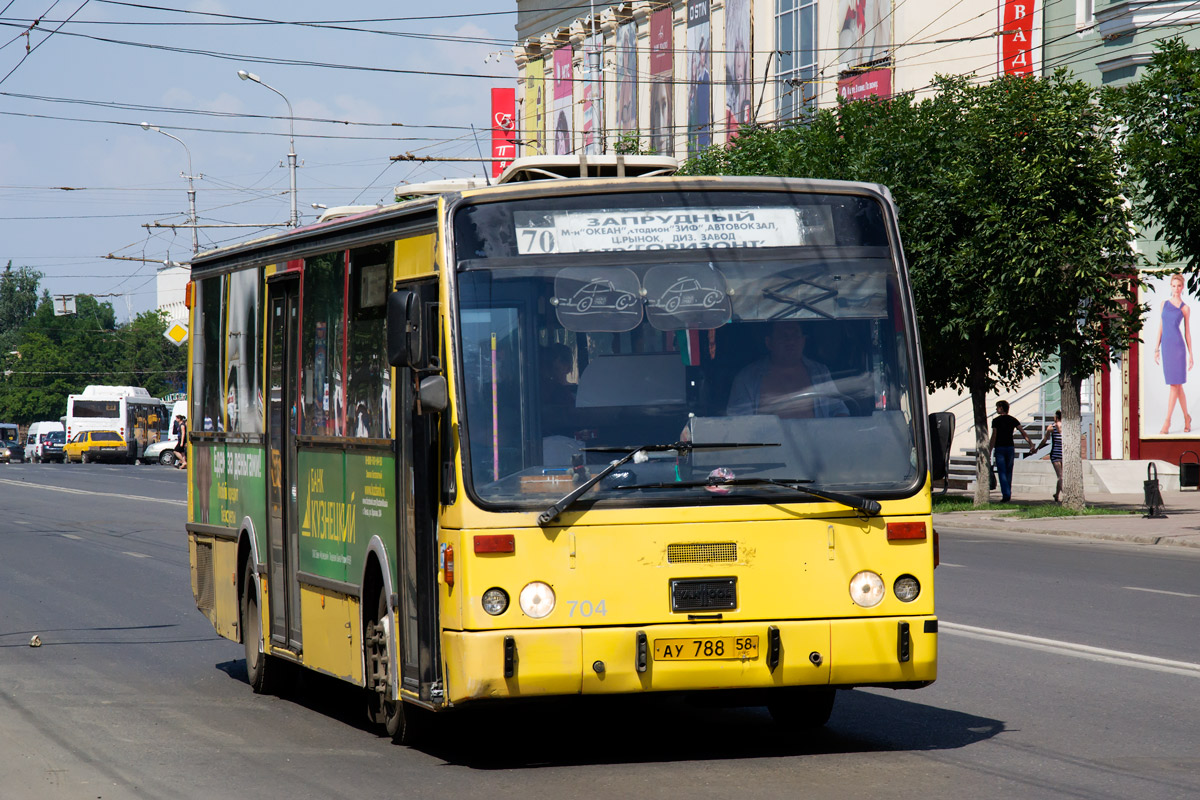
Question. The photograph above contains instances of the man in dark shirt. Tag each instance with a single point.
(1003, 449)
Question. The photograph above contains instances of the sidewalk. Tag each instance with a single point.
(1180, 528)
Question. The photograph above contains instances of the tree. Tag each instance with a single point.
(18, 300)
(1161, 145)
(1012, 220)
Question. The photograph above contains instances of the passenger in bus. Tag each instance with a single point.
(786, 383)
(557, 391)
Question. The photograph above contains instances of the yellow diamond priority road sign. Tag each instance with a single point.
(177, 333)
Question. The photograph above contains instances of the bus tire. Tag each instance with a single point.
(802, 708)
(262, 671)
(404, 723)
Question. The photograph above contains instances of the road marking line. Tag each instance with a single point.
(1159, 591)
(73, 536)
(27, 485)
(948, 564)
(1071, 649)
(136, 555)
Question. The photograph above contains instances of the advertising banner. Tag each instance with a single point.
(504, 129)
(535, 108)
(864, 31)
(1168, 386)
(662, 83)
(739, 84)
(1016, 39)
(564, 97)
(699, 54)
(627, 94)
(874, 83)
(592, 101)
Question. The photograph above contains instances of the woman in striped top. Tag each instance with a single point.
(1054, 434)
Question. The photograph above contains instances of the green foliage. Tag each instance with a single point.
(1010, 213)
(630, 144)
(18, 300)
(62, 355)
(1161, 111)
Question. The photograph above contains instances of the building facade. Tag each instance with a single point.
(1110, 43)
(678, 76)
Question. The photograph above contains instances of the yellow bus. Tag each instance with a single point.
(568, 437)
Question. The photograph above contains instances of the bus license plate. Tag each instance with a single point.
(718, 647)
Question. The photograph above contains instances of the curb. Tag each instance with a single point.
(998, 526)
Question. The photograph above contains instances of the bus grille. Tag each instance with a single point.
(204, 576)
(701, 551)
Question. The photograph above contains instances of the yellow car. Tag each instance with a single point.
(89, 446)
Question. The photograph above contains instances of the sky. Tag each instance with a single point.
(80, 179)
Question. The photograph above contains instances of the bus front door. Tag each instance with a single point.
(417, 467)
(282, 526)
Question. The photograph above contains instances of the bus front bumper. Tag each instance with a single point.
(892, 651)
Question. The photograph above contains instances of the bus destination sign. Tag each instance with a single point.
(550, 232)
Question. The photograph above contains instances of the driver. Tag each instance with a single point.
(785, 383)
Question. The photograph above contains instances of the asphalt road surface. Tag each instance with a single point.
(1068, 669)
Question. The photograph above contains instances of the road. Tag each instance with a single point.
(1068, 669)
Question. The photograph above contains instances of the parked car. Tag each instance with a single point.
(50, 448)
(162, 451)
(89, 446)
(12, 452)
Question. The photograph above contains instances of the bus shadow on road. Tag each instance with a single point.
(577, 731)
(611, 730)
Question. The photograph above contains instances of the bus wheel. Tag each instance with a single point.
(403, 722)
(802, 708)
(262, 671)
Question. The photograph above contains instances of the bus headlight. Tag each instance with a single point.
(537, 600)
(866, 589)
(906, 588)
(495, 601)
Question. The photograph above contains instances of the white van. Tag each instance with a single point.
(35, 439)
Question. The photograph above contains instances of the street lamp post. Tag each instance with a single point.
(191, 188)
(250, 76)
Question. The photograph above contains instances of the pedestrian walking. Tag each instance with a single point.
(1054, 434)
(1003, 448)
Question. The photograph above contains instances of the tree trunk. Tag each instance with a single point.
(1069, 385)
(982, 454)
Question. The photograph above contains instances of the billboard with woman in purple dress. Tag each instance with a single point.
(1173, 351)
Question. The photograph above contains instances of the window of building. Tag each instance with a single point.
(796, 41)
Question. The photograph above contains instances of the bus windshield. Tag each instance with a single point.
(594, 325)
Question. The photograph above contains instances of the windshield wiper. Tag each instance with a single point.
(551, 513)
(863, 504)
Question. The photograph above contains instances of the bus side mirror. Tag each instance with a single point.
(405, 337)
(433, 394)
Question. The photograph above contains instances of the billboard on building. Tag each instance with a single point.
(864, 30)
(872, 83)
(504, 129)
(699, 76)
(739, 85)
(662, 82)
(562, 110)
(1168, 392)
(535, 108)
(626, 77)
(1016, 37)
(592, 99)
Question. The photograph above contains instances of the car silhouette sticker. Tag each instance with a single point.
(686, 296)
(607, 299)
